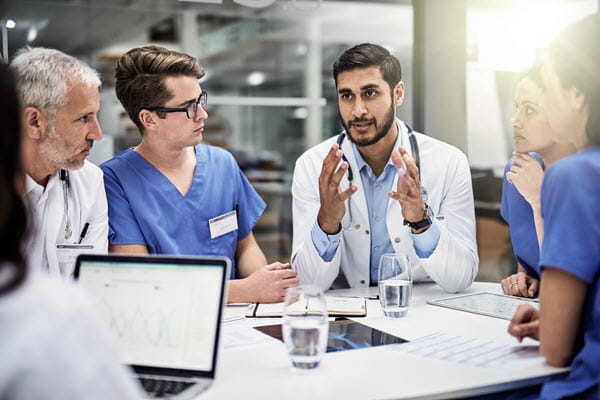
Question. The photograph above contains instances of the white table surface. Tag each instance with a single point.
(264, 371)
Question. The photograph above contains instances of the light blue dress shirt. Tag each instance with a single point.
(376, 190)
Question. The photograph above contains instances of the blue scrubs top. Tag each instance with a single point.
(571, 211)
(144, 207)
(518, 214)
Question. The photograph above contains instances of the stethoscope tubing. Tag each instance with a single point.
(414, 148)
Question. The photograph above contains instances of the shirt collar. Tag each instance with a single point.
(360, 161)
(31, 185)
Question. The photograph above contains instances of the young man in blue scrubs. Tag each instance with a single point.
(173, 195)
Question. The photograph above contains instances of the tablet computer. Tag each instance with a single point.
(344, 335)
(490, 304)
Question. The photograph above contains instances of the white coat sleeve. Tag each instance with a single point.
(453, 264)
(312, 269)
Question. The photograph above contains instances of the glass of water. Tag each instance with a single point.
(305, 325)
(395, 285)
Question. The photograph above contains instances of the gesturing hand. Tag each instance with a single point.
(526, 174)
(408, 190)
(332, 197)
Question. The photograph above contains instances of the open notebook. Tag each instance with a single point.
(336, 306)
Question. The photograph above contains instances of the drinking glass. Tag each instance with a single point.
(305, 325)
(395, 285)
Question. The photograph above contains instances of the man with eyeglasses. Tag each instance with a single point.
(63, 192)
(172, 194)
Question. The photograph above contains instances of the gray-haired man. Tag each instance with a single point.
(64, 192)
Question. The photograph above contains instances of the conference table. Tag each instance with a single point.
(252, 365)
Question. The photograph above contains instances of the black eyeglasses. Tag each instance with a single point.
(191, 110)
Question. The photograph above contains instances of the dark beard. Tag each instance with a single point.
(387, 124)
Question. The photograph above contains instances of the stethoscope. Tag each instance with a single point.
(414, 149)
(64, 178)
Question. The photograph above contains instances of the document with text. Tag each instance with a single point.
(470, 351)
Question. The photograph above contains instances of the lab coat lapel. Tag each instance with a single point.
(359, 201)
(54, 224)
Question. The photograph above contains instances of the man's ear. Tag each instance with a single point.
(399, 94)
(35, 123)
(148, 119)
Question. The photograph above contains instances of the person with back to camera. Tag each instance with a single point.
(567, 323)
(535, 150)
(362, 194)
(52, 343)
(172, 194)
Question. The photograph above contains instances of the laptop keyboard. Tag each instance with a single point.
(162, 387)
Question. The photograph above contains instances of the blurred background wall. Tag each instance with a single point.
(271, 92)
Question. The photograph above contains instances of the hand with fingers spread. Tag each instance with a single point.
(520, 284)
(408, 190)
(526, 174)
(525, 323)
(332, 198)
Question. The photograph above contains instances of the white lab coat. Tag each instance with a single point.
(445, 174)
(87, 203)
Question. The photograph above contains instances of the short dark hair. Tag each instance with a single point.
(575, 54)
(13, 215)
(369, 55)
(140, 74)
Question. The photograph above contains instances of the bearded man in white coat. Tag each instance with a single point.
(379, 187)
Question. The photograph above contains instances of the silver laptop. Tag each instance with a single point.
(166, 313)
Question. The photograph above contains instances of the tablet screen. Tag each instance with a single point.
(491, 304)
(344, 335)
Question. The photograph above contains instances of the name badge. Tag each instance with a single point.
(67, 255)
(223, 224)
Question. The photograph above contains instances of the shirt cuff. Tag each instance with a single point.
(326, 245)
(426, 242)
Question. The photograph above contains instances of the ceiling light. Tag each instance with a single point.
(10, 23)
(31, 34)
(256, 78)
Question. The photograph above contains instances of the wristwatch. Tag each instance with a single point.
(426, 221)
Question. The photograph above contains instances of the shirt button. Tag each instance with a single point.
(397, 240)
(378, 219)
(377, 187)
(367, 231)
(376, 247)
(362, 281)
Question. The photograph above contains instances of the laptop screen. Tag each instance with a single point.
(165, 311)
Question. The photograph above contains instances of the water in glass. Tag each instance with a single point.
(395, 285)
(305, 339)
(394, 295)
(305, 325)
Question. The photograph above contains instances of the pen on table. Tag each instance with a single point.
(83, 232)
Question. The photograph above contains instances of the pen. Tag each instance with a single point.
(83, 232)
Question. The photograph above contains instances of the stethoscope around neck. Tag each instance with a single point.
(414, 149)
(64, 179)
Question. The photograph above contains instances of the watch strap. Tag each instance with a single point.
(426, 221)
